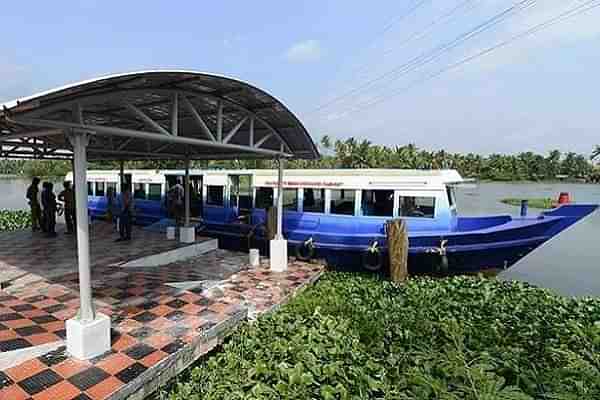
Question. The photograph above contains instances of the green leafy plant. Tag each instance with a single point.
(14, 220)
(357, 337)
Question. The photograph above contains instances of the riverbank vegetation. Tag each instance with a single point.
(353, 153)
(14, 220)
(543, 204)
(357, 337)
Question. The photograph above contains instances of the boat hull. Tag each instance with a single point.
(474, 243)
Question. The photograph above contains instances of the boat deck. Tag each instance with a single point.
(163, 318)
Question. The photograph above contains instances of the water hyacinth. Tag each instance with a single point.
(14, 220)
(357, 337)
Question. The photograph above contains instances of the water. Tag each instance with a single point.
(568, 263)
(12, 194)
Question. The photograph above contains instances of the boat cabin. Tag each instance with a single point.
(424, 198)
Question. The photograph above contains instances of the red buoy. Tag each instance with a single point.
(563, 198)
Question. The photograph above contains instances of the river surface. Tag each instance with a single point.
(569, 263)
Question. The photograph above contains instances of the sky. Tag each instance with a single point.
(346, 68)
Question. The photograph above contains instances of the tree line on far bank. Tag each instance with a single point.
(353, 153)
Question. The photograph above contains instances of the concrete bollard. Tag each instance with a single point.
(254, 257)
(170, 232)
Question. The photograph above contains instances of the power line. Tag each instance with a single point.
(436, 52)
(571, 13)
(445, 18)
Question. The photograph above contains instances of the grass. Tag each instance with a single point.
(543, 204)
(14, 220)
(357, 337)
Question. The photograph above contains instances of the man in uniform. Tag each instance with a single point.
(34, 204)
(68, 199)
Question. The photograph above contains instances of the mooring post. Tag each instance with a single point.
(524, 206)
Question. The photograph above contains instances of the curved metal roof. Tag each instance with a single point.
(155, 115)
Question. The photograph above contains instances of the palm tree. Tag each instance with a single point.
(595, 153)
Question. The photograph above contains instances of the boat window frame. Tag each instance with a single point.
(148, 191)
(255, 190)
(144, 189)
(451, 197)
(301, 200)
(356, 208)
(361, 213)
(298, 200)
(224, 200)
(435, 194)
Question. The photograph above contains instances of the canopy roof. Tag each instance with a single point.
(155, 115)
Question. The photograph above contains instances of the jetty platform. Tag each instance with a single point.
(169, 304)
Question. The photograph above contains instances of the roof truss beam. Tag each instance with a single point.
(147, 120)
(130, 133)
(199, 121)
(118, 96)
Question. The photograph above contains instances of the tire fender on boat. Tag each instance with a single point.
(443, 253)
(372, 259)
(305, 251)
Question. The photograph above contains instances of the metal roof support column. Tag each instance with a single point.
(88, 333)
(187, 191)
(278, 246)
(175, 115)
(220, 121)
(279, 200)
(187, 233)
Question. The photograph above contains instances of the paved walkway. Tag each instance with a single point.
(155, 323)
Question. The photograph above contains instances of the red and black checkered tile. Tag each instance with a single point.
(151, 321)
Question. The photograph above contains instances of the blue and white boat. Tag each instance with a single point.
(340, 215)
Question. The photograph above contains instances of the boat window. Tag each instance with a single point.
(450, 193)
(422, 207)
(154, 191)
(90, 188)
(378, 203)
(214, 195)
(111, 187)
(138, 191)
(290, 199)
(342, 201)
(99, 188)
(314, 200)
(264, 197)
(240, 194)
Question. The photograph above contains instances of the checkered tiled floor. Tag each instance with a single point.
(151, 321)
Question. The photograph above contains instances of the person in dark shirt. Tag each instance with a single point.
(34, 204)
(49, 205)
(68, 198)
(125, 215)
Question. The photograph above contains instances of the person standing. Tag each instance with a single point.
(178, 199)
(34, 204)
(126, 213)
(68, 199)
(49, 205)
(112, 208)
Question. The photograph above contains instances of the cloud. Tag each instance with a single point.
(305, 51)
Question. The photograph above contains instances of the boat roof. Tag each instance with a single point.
(341, 178)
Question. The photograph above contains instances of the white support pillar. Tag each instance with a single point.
(278, 246)
(88, 333)
(187, 233)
